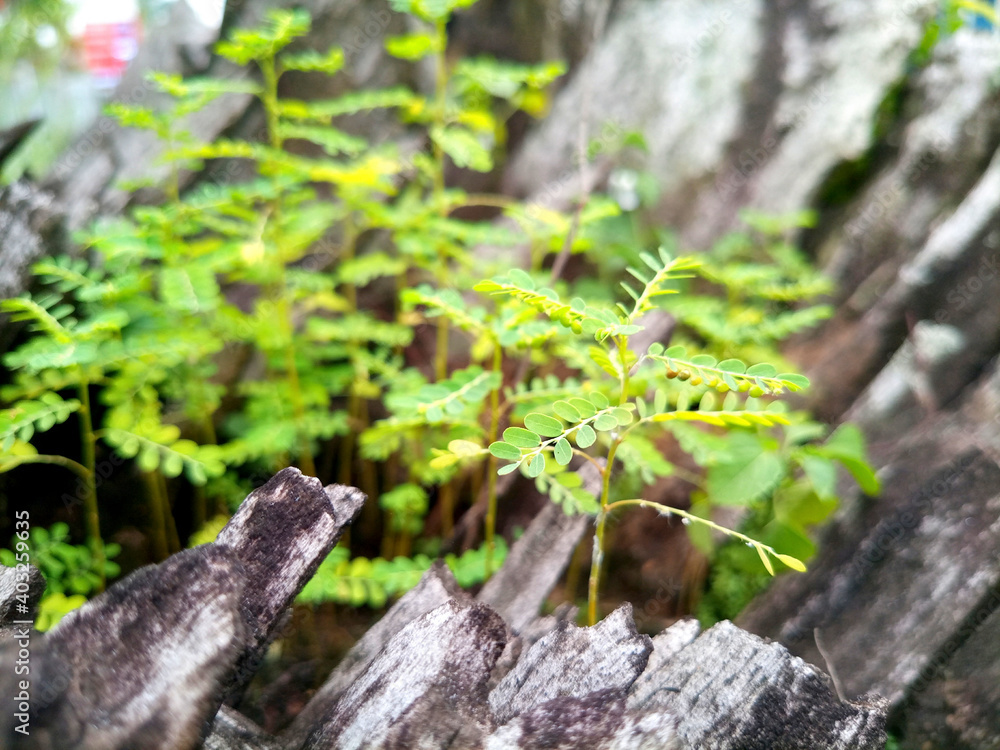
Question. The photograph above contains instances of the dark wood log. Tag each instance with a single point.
(426, 689)
(733, 691)
(281, 533)
(141, 666)
(436, 587)
(20, 592)
(148, 663)
(574, 662)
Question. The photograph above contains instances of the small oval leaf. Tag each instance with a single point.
(567, 411)
(763, 370)
(563, 452)
(605, 422)
(622, 416)
(521, 278)
(599, 400)
(536, 465)
(585, 436)
(733, 365)
(764, 559)
(505, 451)
(583, 406)
(521, 438)
(793, 562)
(543, 424)
(796, 380)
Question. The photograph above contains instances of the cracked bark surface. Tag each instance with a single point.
(148, 663)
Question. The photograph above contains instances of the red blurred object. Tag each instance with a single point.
(108, 48)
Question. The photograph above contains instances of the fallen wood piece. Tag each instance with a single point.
(574, 662)
(426, 689)
(734, 691)
(231, 730)
(436, 587)
(138, 667)
(597, 721)
(533, 566)
(281, 533)
(18, 603)
(31, 225)
(148, 663)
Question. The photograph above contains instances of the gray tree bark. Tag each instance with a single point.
(826, 105)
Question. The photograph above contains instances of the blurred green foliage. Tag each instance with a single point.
(536, 369)
(71, 571)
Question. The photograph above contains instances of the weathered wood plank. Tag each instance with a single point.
(734, 691)
(233, 731)
(281, 533)
(139, 667)
(533, 566)
(436, 587)
(12, 583)
(426, 689)
(574, 662)
(148, 663)
(596, 721)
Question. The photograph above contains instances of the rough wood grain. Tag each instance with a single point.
(596, 721)
(139, 667)
(733, 691)
(148, 663)
(533, 566)
(436, 587)
(281, 533)
(9, 591)
(31, 225)
(426, 689)
(574, 662)
(233, 731)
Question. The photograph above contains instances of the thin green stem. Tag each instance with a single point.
(161, 548)
(88, 449)
(440, 118)
(622, 343)
(441, 100)
(691, 518)
(588, 457)
(491, 466)
(67, 463)
(441, 349)
(597, 556)
(269, 98)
